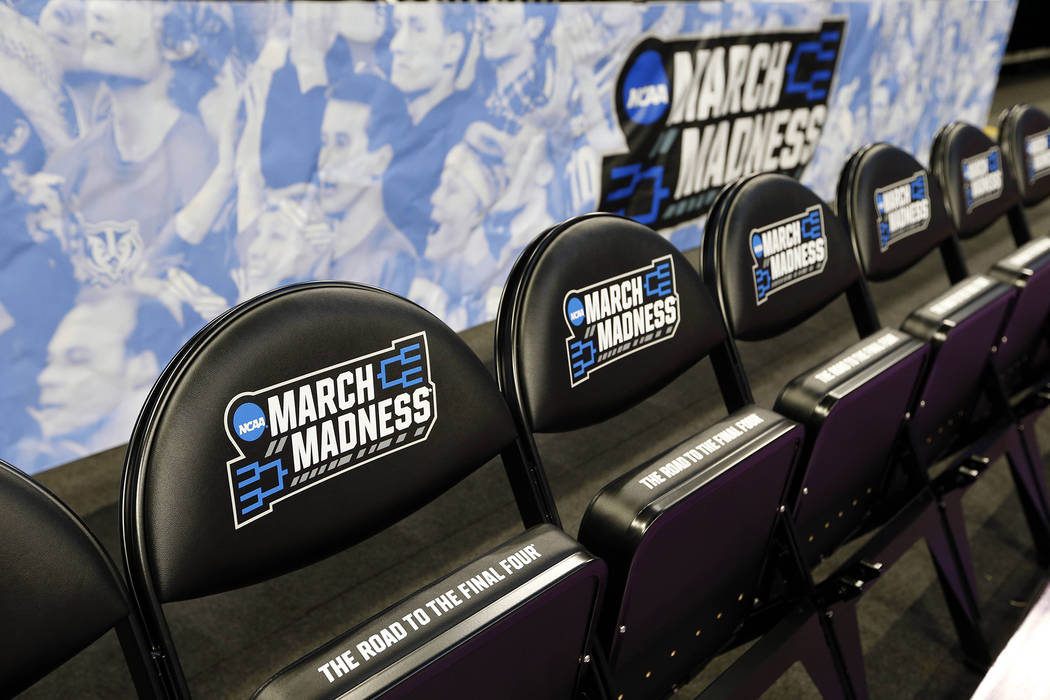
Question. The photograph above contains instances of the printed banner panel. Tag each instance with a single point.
(161, 162)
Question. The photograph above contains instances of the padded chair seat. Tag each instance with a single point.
(961, 325)
(852, 404)
(479, 627)
(688, 530)
(1022, 356)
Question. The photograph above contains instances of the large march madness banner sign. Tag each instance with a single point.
(163, 161)
(700, 113)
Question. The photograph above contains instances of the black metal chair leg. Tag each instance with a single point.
(959, 594)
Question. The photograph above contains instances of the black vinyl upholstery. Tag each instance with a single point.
(59, 590)
(1024, 136)
(774, 253)
(198, 541)
(666, 312)
(977, 188)
(302, 422)
(894, 209)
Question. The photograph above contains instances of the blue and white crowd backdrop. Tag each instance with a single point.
(160, 162)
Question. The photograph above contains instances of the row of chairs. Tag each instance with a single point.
(308, 419)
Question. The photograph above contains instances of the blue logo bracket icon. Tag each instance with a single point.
(658, 282)
(884, 234)
(918, 188)
(823, 52)
(638, 176)
(582, 356)
(763, 282)
(258, 497)
(404, 369)
(811, 225)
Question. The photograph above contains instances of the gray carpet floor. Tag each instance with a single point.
(230, 643)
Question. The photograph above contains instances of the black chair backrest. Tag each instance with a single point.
(59, 590)
(297, 424)
(774, 254)
(1024, 136)
(894, 209)
(977, 188)
(605, 295)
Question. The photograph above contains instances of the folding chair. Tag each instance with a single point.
(961, 153)
(599, 313)
(979, 189)
(774, 254)
(1024, 139)
(305, 421)
(896, 213)
(59, 590)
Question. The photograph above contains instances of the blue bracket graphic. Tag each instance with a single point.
(581, 354)
(884, 234)
(658, 282)
(993, 161)
(824, 54)
(811, 225)
(878, 203)
(918, 188)
(411, 368)
(763, 281)
(637, 175)
(258, 494)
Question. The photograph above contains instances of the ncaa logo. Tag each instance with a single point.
(249, 422)
(756, 245)
(646, 95)
(574, 311)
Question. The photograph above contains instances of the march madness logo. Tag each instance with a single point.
(613, 318)
(1037, 147)
(700, 113)
(902, 209)
(788, 251)
(300, 433)
(982, 178)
